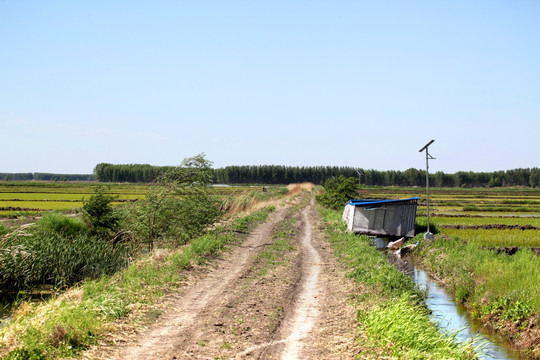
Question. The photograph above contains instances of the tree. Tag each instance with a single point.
(178, 206)
(337, 191)
(99, 214)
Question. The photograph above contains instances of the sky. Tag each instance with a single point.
(277, 82)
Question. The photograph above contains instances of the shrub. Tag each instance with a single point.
(178, 207)
(99, 214)
(337, 191)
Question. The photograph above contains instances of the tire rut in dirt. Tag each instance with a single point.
(256, 306)
(207, 320)
(250, 310)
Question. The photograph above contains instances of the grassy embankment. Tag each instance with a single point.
(393, 321)
(500, 290)
(467, 257)
(66, 324)
(59, 251)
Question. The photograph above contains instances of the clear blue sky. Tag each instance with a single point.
(349, 83)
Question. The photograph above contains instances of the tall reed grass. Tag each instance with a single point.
(65, 325)
(57, 251)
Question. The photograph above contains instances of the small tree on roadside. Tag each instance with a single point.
(178, 205)
(337, 191)
(99, 214)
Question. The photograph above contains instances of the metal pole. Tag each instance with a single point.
(428, 234)
(427, 188)
(360, 173)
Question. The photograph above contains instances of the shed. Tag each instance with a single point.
(381, 217)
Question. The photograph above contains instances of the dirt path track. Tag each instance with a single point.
(245, 307)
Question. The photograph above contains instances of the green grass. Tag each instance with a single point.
(67, 324)
(485, 280)
(497, 237)
(243, 224)
(57, 251)
(27, 198)
(393, 321)
(388, 322)
(275, 253)
(486, 221)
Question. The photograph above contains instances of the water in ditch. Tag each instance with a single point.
(452, 317)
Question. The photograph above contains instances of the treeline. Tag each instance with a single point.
(278, 174)
(272, 174)
(413, 177)
(45, 177)
(128, 172)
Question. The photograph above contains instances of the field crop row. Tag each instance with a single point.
(25, 198)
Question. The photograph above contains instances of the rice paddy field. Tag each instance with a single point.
(488, 217)
(34, 198)
(497, 217)
(28, 198)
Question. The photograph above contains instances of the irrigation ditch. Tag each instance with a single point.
(452, 317)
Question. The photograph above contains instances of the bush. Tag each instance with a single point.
(99, 214)
(337, 191)
(178, 207)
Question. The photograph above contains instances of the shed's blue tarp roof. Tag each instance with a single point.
(364, 202)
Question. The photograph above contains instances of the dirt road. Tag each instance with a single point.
(279, 295)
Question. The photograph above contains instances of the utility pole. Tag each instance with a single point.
(360, 173)
(428, 234)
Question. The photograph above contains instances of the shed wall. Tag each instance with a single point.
(396, 219)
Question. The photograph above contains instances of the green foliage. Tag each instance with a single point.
(3, 229)
(243, 224)
(135, 173)
(337, 191)
(63, 328)
(25, 354)
(99, 214)
(45, 177)
(277, 174)
(421, 226)
(507, 309)
(492, 284)
(60, 224)
(58, 251)
(178, 207)
(388, 322)
(391, 314)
